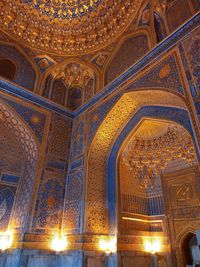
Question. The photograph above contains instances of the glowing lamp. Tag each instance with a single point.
(108, 245)
(59, 243)
(152, 246)
(6, 240)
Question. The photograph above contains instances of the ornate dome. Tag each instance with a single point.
(67, 27)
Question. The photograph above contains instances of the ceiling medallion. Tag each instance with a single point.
(67, 27)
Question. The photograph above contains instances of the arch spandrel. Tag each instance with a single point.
(129, 103)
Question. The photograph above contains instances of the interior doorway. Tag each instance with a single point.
(190, 251)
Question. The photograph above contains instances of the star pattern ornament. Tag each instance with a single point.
(67, 27)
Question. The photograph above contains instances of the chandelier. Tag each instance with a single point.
(147, 159)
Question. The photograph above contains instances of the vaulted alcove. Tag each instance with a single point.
(153, 149)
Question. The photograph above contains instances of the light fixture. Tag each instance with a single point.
(108, 244)
(147, 159)
(58, 243)
(152, 245)
(6, 239)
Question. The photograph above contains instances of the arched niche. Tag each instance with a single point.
(187, 244)
(152, 149)
(128, 51)
(159, 27)
(188, 249)
(12, 166)
(17, 67)
(7, 69)
(59, 92)
(81, 80)
(101, 200)
(28, 144)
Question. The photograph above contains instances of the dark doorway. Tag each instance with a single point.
(159, 28)
(7, 69)
(190, 251)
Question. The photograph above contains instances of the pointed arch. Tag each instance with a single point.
(182, 241)
(27, 74)
(7, 69)
(127, 107)
(30, 146)
(66, 62)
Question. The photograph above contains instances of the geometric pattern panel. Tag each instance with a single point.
(192, 52)
(35, 119)
(182, 205)
(163, 75)
(97, 115)
(50, 204)
(59, 138)
(73, 198)
(130, 51)
(73, 203)
(50, 197)
(11, 156)
(7, 194)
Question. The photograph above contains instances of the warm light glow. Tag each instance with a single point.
(6, 240)
(141, 220)
(152, 246)
(59, 243)
(108, 245)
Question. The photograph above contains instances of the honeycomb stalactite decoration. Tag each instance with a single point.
(71, 85)
(74, 75)
(67, 27)
(148, 159)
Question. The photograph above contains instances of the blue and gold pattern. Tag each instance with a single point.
(7, 194)
(63, 175)
(68, 27)
(63, 9)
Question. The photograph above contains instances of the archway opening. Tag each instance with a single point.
(190, 251)
(59, 91)
(7, 69)
(19, 174)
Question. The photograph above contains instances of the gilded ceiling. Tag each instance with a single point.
(67, 27)
(155, 147)
(151, 129)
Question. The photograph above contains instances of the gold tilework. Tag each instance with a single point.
(96, 212)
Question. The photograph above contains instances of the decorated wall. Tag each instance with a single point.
(23, 73)
(87, 162)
